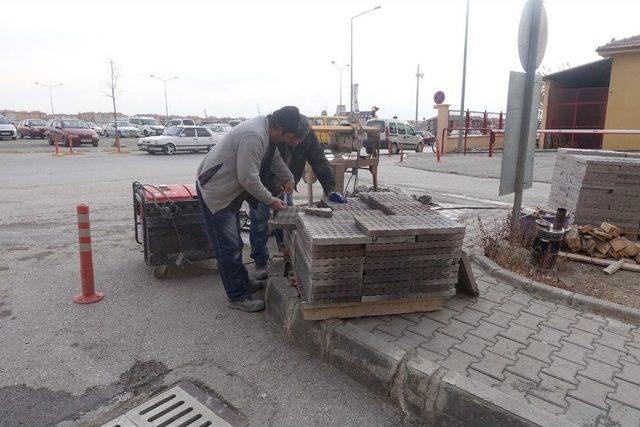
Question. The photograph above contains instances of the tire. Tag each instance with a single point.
(169, 149)
(209, 147)
(50, 140)
(119, 134)
(14, 137)
(160, 271)
(145, 133)
(20, 135)
(419, 147)
(395, 149)
(95, 144)
(64, 141)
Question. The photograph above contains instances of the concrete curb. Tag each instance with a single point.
(561, 296)
(419, 387)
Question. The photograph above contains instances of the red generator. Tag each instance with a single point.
(169, 218)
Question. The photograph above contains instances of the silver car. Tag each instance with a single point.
(125, 130)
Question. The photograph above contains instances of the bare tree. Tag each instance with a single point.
(112, 91)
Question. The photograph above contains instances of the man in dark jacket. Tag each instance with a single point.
(309, 150)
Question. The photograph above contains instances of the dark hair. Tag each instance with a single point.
(287, 118)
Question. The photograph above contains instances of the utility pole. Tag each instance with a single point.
(166, 104)
(50, 87)
(464, 80)
(418, 77)
(351, 116)
(340, 69)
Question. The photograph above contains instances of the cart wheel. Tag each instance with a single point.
(160, 271)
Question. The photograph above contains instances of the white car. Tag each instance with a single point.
(178, 138)
(125, 130)
(180, 122)
(7, 129)
(96, 128)
(147, 125)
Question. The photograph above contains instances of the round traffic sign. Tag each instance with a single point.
(438, 97)
(524, 33)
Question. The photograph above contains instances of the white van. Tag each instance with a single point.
(397, 132)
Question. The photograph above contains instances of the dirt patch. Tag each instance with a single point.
(143, 372)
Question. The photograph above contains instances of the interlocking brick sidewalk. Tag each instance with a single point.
(575, 364)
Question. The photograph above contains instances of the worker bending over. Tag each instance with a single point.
(235, 171)
(309, 150)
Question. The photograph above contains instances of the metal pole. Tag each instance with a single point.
(351, 84)
(418, 77)
(166, 105)
(464, 77)
(534, 32)
(340, 102)
(51, 99)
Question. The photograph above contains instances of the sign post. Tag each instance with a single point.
(532, 41)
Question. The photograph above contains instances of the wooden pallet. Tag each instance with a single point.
(370, 308)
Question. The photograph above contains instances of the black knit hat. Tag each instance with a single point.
(287, 118)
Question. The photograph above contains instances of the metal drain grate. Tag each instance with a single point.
(178, 407)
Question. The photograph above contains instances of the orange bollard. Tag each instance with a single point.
(55, 142)
(88, 295)
(70, 142)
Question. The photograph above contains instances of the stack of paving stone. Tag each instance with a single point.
(411, 255)
(394, 203)
(598, 186)
(329, 259)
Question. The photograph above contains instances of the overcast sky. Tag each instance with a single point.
(231, 56)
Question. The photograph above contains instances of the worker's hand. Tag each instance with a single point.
(278, 205)
(287, 188)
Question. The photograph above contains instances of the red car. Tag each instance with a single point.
(72, 131)
(33, 128)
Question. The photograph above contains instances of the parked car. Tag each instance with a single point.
(125, 130)
(72, 132)
(397, 132)
(180, 122)
(7, 129)
(96, 128)
(33, 128)
(147, 125)
(178, 138)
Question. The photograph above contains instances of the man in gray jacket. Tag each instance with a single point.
(234, 171)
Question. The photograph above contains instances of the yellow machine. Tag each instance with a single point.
(323, 137)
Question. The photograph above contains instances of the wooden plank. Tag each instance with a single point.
(597, 261)
(370, 308)
(613, 267)
(466, 281)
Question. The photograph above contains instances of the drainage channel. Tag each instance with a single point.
(182, 405)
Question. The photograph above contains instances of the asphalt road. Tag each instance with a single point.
(62, 361)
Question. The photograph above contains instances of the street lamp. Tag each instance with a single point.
(461, 122)
(419, 75)
(50, 94)
(166, 105)
(340, 68)
(351, 62)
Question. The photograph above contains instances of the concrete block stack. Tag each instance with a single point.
(413, 255)
(598, 186)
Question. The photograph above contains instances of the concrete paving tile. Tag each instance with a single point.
(538, 309)
(573, 353)
(440, 344)
(566, 312)
(607, 355)
(563, 369)
(506, 348)
(412, 317)
(492, 364)
(396, 326)
(632, 356)
(387, 337)
(599, 371)
(612, 340)
(630, 372)
(549, 336)
(470, 316)
(472, 345)
(544, 405)
(539, 350)
(425, 327)
(516, 386)
(456, 329)
(527, 367)
(429, 355)
(510, 307)
(627, 393)
(495, 296)
(443, 315)
(520, 298)
(619, 327)
(487, 331)
(409, 340)
(482, 378)
(518, 333)
(581, 338)
(591, 392)
(583, 414)
(502, 287)
(588, 325)
(558, 323)
(499, 318)
(553, 390)
(458, 361)
(621, 414)
(457, 304)
(483, 305)
(367, 323)
(528, 320)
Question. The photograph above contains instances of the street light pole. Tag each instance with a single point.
(340, 68)
(166, 104)
(418, 77)
(351, 116)
(464, 81)
(50, 87)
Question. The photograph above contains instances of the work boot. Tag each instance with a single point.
(249, 304)
(260, 272)
(256, 285)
